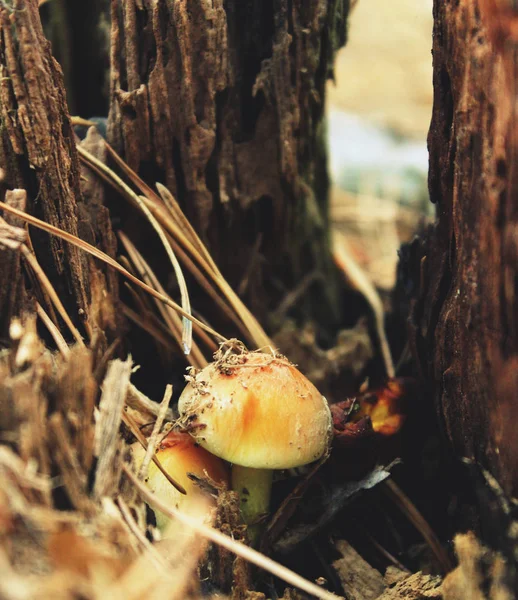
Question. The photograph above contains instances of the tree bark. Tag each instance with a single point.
(464, 324)
(470, 309)
(224, 103)
(464, 318)
(38, 154)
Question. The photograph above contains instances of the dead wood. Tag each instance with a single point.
(38, 154)
(68, 524)
(415, 587)
(107, 442)
(359, 580)
(37, 148)
(224, 105)
(463, 324)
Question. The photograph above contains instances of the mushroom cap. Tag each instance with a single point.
(179, 454)
(257, 411)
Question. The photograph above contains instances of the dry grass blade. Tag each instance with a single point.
(181, 220)
(127, 191)
(408, 508)
(109, 261)
(167, 331)
(54, 331)
(153, 438)
(107, 438)
(174, 209)
(33, 263)
(49, 305)
(144, 316)
(139, 401)
(170, 215)
(154, 330)
(256, 332)
(144, 302)
(170, 317)
(133, 427)
(208, 287)
(249, 554)
(136, 531)
(359, 281)
(383, 551)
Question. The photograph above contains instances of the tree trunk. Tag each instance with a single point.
(38, 154)
(224, 103)
(464, 325)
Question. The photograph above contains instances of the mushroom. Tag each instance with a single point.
(258, 412)
(179, 455)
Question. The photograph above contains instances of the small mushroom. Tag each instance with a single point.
(179, 455)
(260, 413)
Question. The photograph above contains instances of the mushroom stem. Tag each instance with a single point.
(254, 487)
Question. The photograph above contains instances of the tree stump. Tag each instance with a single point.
(464, 323)
(223, 103)
(38, 154)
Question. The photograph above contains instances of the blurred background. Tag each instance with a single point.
(379, 110)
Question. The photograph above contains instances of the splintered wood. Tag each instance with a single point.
(38, 154)
(67, 521)
(107, 440)
(72, 515)
(36, 140)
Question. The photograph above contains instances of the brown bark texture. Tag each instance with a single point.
(464, 325)
(38, 154)
(223, 103)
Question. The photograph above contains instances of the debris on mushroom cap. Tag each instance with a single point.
(256, 410)
(179, 455)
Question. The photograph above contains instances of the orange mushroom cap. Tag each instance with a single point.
(179, 455)
(257, 411)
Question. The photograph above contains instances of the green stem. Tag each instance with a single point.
(254, 487)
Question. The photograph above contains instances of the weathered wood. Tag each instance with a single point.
(223, 102)
(465, 323)
(12, 295)
(37, 149)
(38, 154)
(359, 580)
(416, 587)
